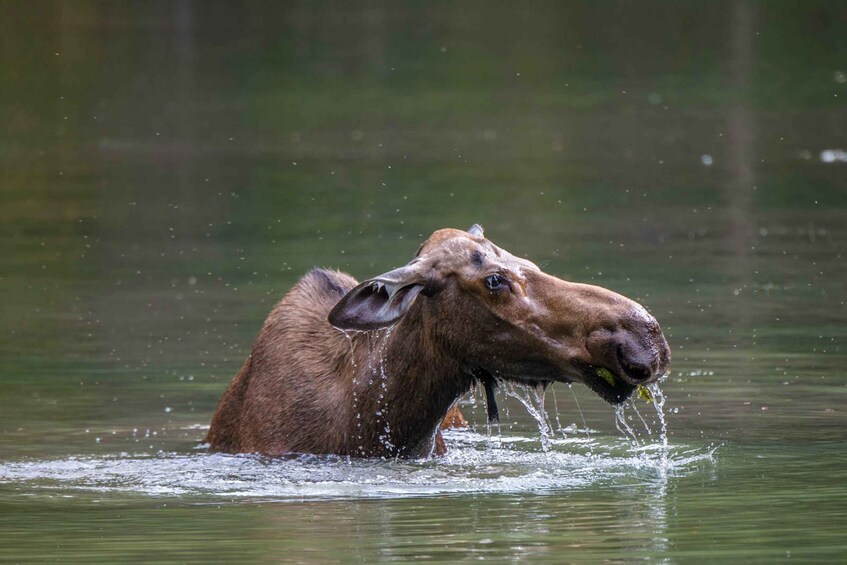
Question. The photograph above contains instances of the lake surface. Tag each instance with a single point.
(170, 170)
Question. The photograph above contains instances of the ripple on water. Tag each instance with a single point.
(476, 463)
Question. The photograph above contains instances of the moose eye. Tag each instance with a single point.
(495, 282)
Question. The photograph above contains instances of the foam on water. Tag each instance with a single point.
(473, 465)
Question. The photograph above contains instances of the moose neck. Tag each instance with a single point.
(404, 385)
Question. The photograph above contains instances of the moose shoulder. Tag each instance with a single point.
(373, 368)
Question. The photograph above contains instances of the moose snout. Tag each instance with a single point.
(636, 352)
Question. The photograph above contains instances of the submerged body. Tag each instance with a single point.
(373, 369)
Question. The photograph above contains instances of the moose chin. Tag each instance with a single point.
(374, 369)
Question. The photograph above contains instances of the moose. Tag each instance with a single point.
(373, 369)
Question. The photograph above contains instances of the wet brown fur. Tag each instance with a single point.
(310, 388)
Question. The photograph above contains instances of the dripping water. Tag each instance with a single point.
(581, 415)
(375, 344)
(559, 427)
(382, 404)
(622, 418)
(493, 430)
(658, 399)
(622, 425)
(640, 417)
(533, 400)
(349, 335)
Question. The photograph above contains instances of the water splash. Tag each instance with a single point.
(471, 466)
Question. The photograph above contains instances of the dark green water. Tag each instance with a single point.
(169, 170)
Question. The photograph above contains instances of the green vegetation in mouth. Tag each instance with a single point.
(606, 375)
(644, 393)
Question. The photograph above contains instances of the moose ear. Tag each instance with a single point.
(377, 302)
(476, 230)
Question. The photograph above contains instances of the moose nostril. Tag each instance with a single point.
(634, 369)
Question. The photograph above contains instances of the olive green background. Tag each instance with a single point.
(169, 169)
